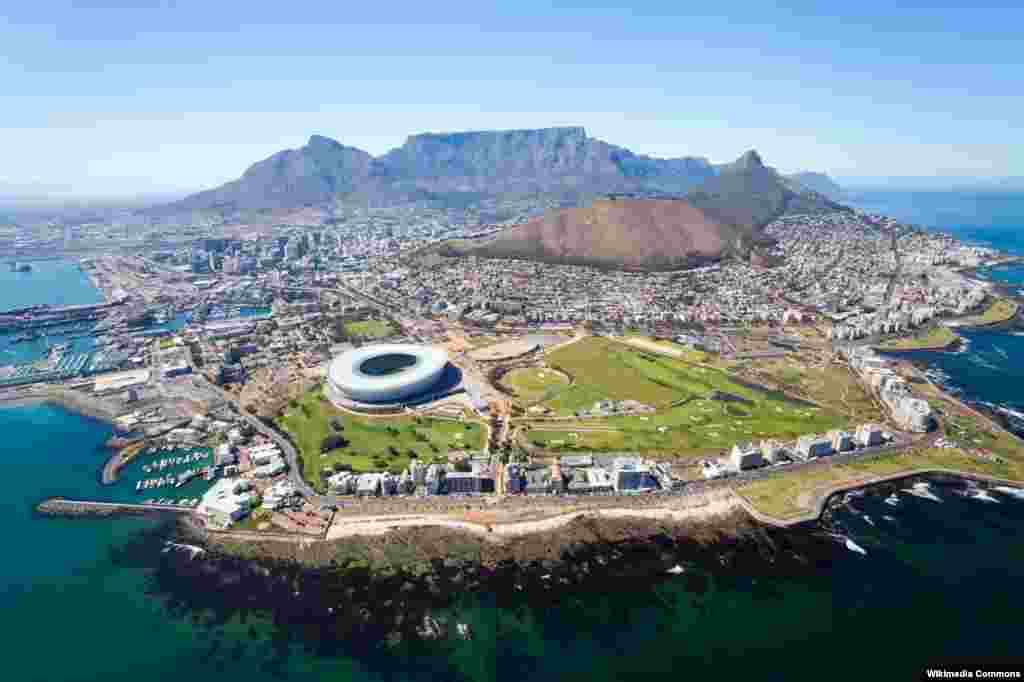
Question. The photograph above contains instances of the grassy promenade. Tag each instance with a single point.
(983, 449)
(789, 495)
(374, 444)
(933, 339)
(1001, 310)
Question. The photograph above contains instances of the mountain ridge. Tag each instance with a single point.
(558, 160)
(722, 217)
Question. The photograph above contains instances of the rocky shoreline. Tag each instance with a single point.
(400, 591)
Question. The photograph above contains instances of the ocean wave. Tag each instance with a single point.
(978, 360)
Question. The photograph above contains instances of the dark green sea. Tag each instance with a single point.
(97, 600)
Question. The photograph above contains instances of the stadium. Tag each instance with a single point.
(388, 374)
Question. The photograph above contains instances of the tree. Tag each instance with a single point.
(333, 442)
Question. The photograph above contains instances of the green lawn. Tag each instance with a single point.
(604, 369)
(790, 493)
(700, 425)
(370, 329)
(935, 337)
(370, 440)
(1000, 310)
(533, 383)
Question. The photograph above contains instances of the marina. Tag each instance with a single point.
(158, 474)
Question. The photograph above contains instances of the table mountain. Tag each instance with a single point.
(548, 160)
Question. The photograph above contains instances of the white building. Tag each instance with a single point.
(841, 440)
(275, 466)
(913, 414)
(772, 451)
(279, 494)
(263, 454)
(809, 447)
(869, 435)
(746, 457)
(226, 502)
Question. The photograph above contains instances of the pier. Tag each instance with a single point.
(77, 508)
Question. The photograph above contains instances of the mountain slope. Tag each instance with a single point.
(722, 217)
(548, 160)
(313, 174)
(630, 233)
(749, 195)
(818, 182)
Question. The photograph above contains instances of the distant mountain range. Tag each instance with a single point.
(557, 161)
(820, 183)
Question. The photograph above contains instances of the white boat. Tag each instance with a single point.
(676, 570)
(893, 500)
(888, 518)
(867, 519)
(138, 487)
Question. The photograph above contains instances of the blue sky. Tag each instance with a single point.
(118, 98)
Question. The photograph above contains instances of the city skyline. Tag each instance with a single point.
(120, 100)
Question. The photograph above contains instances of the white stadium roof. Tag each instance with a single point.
(384, 373)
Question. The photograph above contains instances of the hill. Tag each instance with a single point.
(820, 183)
(722, 217)
(650, 234)
(558, 161)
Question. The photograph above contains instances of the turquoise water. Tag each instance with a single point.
(51, 281)
(990, 365)
(938, 578)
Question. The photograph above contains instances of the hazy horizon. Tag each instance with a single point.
(114, 99)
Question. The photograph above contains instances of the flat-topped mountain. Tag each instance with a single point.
(547, 160)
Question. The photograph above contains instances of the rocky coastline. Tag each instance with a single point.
(401, 591)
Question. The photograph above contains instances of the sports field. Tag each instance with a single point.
(530, 384)
(373, 444)
(700, 409)
(370, 329)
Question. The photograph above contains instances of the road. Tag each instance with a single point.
(291, 455)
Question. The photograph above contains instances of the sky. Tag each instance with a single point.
(131, 98)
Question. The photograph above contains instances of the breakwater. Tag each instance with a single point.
(83, 508)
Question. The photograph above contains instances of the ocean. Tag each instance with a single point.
(95, 599)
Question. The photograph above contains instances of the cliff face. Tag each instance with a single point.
(547, 160)
(313, 174)
(748, 194)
